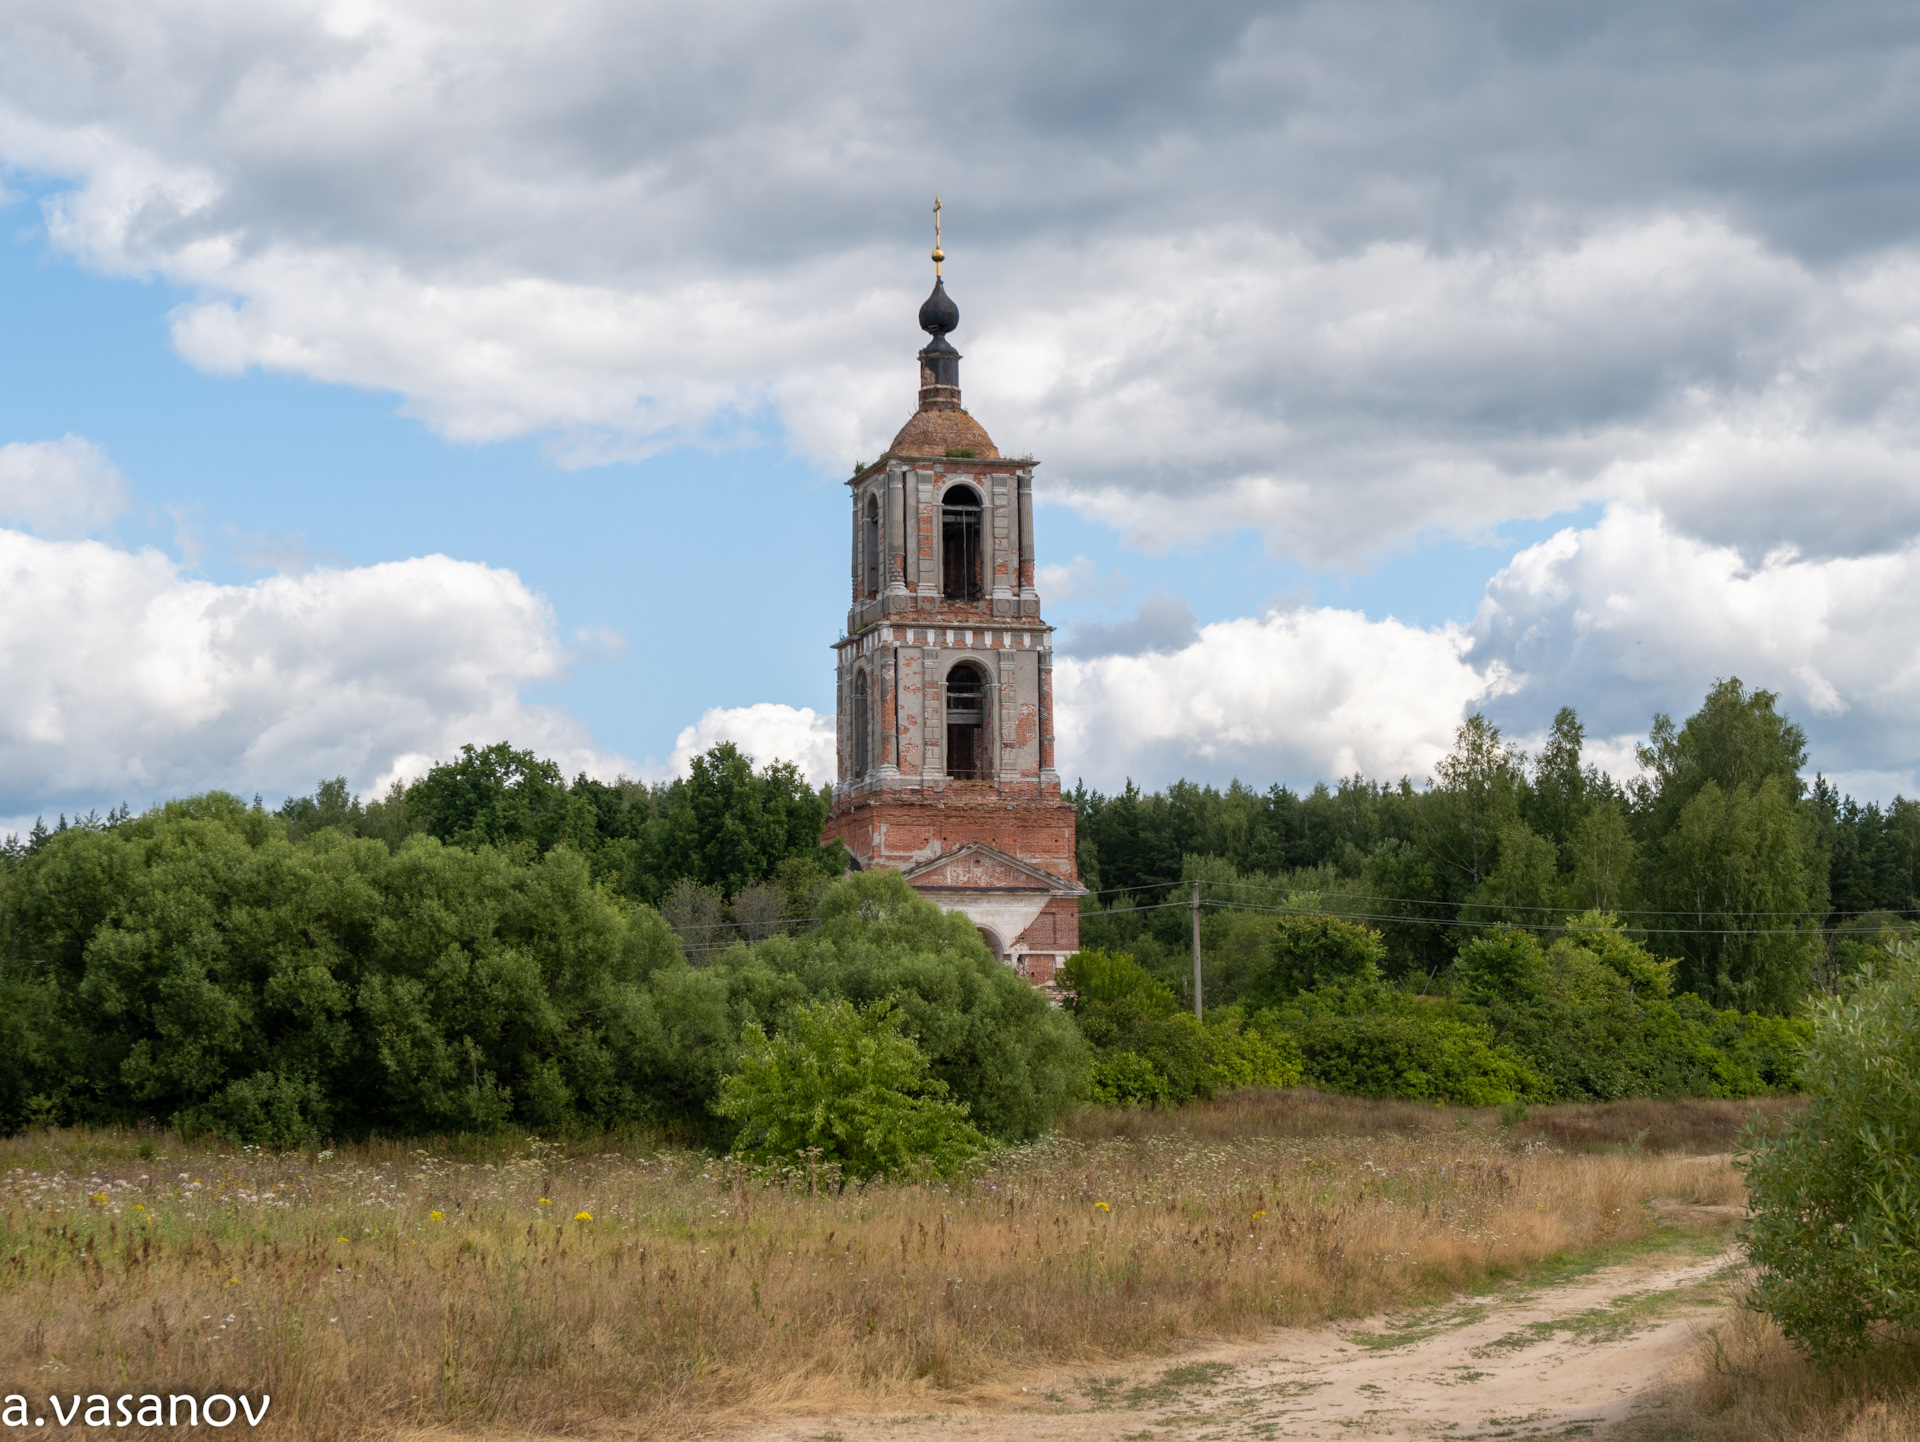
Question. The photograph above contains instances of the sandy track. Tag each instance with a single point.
(1529, 1361)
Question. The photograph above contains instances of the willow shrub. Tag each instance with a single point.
(203, 967)
(845, 1087)
(1148, 1052)
(1835, 1191)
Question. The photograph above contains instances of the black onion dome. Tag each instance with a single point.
(938, 313)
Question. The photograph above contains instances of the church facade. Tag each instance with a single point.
(945, 679)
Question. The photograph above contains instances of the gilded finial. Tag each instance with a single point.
(938, 254)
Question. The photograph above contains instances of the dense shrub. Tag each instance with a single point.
(1835, 1192)
(843, 1086)
(199, 966)
(988, 1035)
(1594, 1013)
(1148, 1052)
(1305, 952)
(1588, 1016)
(1368, 1039)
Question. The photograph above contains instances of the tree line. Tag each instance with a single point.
(491, 945)
(723, 852)
(1762, 887)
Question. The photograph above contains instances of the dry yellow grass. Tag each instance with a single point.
(521, 1288)
(1746, 1383)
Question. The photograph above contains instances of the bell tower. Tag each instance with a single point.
(945, 684)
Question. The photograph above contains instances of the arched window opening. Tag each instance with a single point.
(966, 723)
(862, 727)
(992, 941)
(871, 545)
(960, 545)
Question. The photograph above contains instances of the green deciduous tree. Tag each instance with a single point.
(1524, 888)
(990, 1036)
(1310, 951)
(1733, 871)
(1737, 738)
(1835, 1194)
(844, 1085)
(1602, 853)
(1558, 797)
(1477, 793)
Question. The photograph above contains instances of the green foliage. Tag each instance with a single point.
(1148, 1052)
(1127, 1079)
(1734, 866)
(991, 1037)
(1558, 797)
(1305, 952)
(1477, 795)
(1594, 1014)
(1602, 853)
(725, 827)
(844, 1086)
(1835, 1194)
(1369, 1041)
(1092, 977)
(495, 796)
(1244, 1055)
(1524, 887)
(1736, 739)
(1755, 881)
(197, 966)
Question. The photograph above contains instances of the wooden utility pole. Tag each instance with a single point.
(1196, 948)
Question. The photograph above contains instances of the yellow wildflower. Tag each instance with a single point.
(1101, 1207)
(436, 1216)
(583, 1216)
(99, 1199)
(546, 1201)
(1258, 1215)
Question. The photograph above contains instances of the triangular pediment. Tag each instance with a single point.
(977, 867)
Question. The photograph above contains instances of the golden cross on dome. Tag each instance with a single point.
(938, 254)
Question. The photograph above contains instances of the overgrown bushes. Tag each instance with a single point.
(200, 966)
(844, 1087)
(1835, 1191)
(1589, 1016)
(1149, 1052)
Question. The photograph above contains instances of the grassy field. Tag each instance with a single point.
(516, 1285)
(1746, 1383)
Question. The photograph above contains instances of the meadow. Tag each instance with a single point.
(515, 1284)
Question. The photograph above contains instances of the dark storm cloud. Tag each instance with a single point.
(1347, 274)
(1159, 623)
(745, 133)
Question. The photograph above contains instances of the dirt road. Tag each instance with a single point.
(1543, 1360)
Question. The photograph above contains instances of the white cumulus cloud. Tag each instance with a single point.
(1632, 615)
(1346, 275)
(767, 731)
(127, 679)
(1294, 696)
(59, 488)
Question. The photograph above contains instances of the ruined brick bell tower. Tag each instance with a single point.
(945, 695)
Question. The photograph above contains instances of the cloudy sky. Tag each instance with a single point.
(379, 376)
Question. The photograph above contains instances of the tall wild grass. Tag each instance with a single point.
(1746, 1383)
(524, 1285)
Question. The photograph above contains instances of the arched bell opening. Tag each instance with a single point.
(870, 533)
(961, 573)
(862, 727)
(967, 723)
